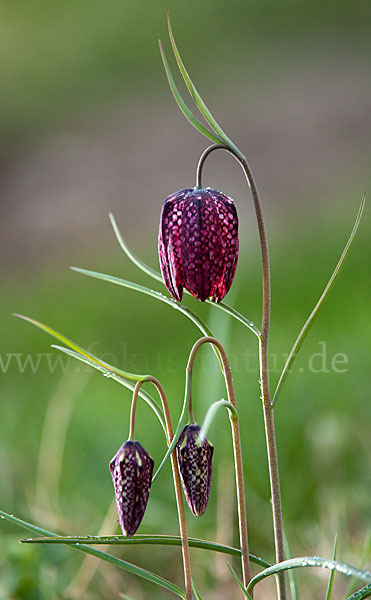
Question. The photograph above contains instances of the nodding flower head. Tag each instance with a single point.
(195, 466)
(131, 469)
(198, 243)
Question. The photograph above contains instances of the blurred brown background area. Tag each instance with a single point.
(88, 126)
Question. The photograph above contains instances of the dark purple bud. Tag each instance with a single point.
(195, 461)
(198, 243)
(131, 469)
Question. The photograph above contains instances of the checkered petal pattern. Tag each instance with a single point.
(131, 470)
(195, 467)
(198, 243)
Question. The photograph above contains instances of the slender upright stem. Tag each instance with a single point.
(240, 486)
(177, 484)
(263, 356)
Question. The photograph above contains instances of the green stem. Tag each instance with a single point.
(132, 410)
(177, 485)
(263, 356)
(240, 486)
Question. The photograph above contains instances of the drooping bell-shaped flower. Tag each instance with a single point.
(198, 243)
(131, 469)
(195, 467)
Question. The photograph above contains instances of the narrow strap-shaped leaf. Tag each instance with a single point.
(310, 320)
(365, 592)
(182, 105)
(144, 290)
(195, 95)
(291, 575)
(364, 558)
(117, 562)
(156, 275)
(62, 338)
(332, 573)
(195, 591)
(144, 539)
(239, 582)
(139, 263)
(107, 372)
(309, 561)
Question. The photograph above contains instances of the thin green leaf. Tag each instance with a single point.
(105, 368)
(236, 315)
(195, 591)
(125, 597)
(81, 351)
(310, 320)
(144, 290)
(310, 561)
(139, 263)
(332, 574)
(196, 96)
(182, 105)
(292, 577)
(146, 539)
(364, 557)
(108, 372)
(156, 275)
(239, 582)
(117, 562)
(365, 592)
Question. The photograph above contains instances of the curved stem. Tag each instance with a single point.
(240, 486)
(263, 355)
(134, 401)
(177, 485)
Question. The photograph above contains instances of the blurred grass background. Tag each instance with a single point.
(88, 125)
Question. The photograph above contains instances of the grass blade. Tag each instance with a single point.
(101, 363)
(332, 574)
(365, 592)
(310, 561)
(239, 582)
(117, 562)
(182, 105)
(310, 320)
(156, 275)
(364, 556)
(291, 575)
(195, 591)
(143, 539)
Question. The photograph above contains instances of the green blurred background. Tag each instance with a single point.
(88, 126)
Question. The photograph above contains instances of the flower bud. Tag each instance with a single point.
(131, 469)
(195, 466)
(198, 243)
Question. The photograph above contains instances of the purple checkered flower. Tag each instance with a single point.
(198, 243)
(131, 469)
(195, 466)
